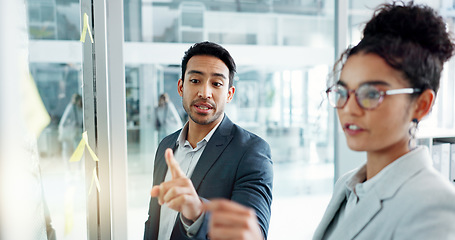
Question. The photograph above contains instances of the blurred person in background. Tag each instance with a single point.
(167, 118)
(70, 129)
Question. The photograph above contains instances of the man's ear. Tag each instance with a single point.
(180, 87)
(230, 95)
(423, 104)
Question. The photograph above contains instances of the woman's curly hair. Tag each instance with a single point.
(411, 38)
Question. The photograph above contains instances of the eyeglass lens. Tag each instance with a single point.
(367, 96)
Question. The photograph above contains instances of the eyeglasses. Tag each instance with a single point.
(367, 95)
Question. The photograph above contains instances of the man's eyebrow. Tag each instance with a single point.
(201, 73)
(219, 75)
(195, 72)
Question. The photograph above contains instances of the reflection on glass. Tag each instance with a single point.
(59, 86)
(288, 23)
(53, 19)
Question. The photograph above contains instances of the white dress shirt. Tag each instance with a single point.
(187, 157)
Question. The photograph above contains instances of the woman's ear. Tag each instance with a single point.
(423, 104)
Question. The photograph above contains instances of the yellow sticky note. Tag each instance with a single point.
(84, 32)
(77, 155)
(97, 182)
(35, 114)
(84, 136)
(86, 28)
(94, 179)
(89, 31)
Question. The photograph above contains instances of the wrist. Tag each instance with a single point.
(186, 221)
(197, 214)
(194, 213)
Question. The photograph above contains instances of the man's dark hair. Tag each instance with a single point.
(210, 49)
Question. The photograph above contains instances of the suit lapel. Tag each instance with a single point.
(397, 174)
(339, 196)
(392, 180)
(216, 145)
(360, 216)
(160, 170)
(159, 173)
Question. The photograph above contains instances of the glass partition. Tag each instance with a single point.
(53, 19)
(239, 22)
(59, 84)
(63, 181)
(284, 51)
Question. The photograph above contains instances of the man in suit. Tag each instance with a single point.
(210, 157)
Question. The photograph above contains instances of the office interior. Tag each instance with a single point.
(284, 51)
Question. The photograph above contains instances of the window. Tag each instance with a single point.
(284, 51)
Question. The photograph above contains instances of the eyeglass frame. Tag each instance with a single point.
(382, 94)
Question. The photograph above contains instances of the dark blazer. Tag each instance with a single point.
(235, 164)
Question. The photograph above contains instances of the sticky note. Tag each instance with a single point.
(84, 136)
(86, 28)
(94, 179)
(36, 116)
(77, 155)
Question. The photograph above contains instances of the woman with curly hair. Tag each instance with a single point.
(387, 84)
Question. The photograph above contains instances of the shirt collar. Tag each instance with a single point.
(181, 140)
(360, 186)
(359, 177)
